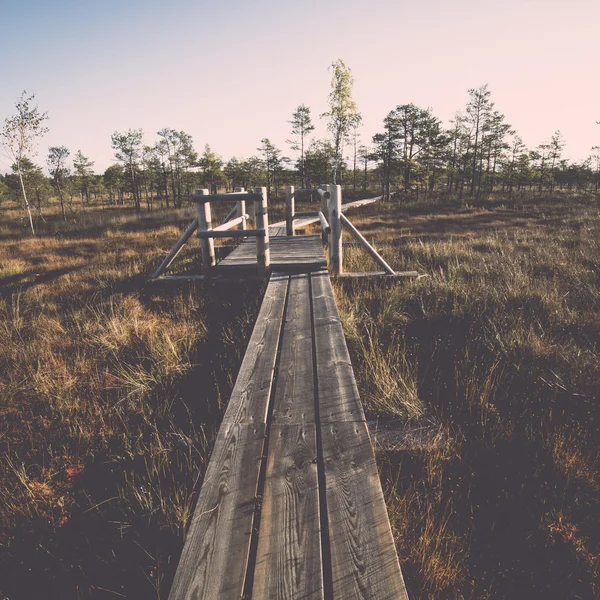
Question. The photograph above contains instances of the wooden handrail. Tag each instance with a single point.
(233, 196)
(236, 233)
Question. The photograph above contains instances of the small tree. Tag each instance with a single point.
(83, 170)
(342, 114)
(57, 165)
(128, 148)
(301, 126)
(18, 136)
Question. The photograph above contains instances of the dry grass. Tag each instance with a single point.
(111, 392)
(499, 345)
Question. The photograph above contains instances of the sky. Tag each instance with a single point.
(232, 72)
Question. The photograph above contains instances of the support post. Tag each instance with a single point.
(261, 213)
(207, 246)
(335, 241)
(241, 208)
(290, 210)
(324, 202)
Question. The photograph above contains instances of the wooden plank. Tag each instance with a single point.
(250, 396)
(289, 564)
(294, 400)
(338, 394)
(285, 251)
(358, 203)
(363, 555)
(288, 561)
(215, 555)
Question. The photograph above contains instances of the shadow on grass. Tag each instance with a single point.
(109, 548)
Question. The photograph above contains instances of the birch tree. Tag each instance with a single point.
(18, 138)
(342, 114)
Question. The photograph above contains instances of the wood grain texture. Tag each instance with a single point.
(286, 252)
(294, 400)
(250, 396)
(215, 555)
(288, 564)
(363, 554)
(338, 394)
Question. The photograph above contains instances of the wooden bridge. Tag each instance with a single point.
(291, 505)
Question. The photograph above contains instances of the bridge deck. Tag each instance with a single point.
(287, 253)
(291, 505)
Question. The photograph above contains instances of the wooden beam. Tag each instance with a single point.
(207, 246)
(290, 209)
(231, 197)
(261, 214)
(231, 223)
(237, 233)
(380, 275)
(240, 207)
(324, 224)
(363, 242)
(335, 242)
(164, 265)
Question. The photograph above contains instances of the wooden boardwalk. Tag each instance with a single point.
(291, 505)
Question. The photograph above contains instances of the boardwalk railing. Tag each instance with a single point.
(332, 218)
(206, 233)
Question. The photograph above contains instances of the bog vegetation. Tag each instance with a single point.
(480, 378)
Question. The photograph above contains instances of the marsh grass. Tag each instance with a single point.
(111, 395)
(498, 344)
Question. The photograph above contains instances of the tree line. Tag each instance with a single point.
(479, 153)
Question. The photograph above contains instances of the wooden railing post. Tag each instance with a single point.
(241, 208)
(335, 241)
(290, 210)
(261, 215)
(325, 210)
(207, 246)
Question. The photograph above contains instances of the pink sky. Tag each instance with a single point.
(232, 73)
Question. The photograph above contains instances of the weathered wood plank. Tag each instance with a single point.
(289, 564)
(215, 555)
(285, 251)
(338, 394)
(250, 396)
(294, 400)
(363, 555)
